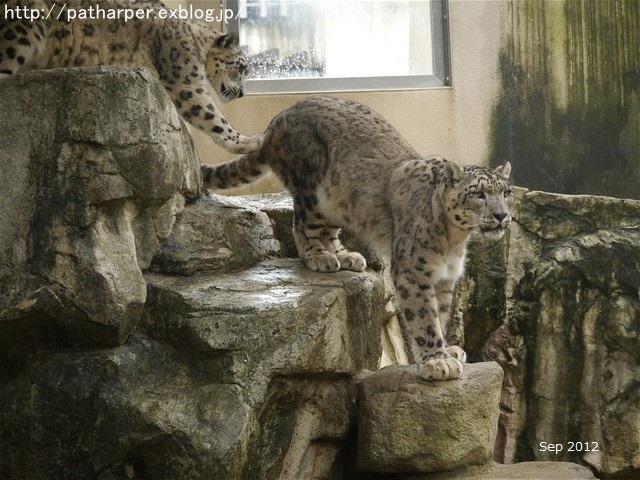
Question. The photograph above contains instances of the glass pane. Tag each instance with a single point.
(345, 39)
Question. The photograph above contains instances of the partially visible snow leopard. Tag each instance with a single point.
(192, 60)
(345, 165)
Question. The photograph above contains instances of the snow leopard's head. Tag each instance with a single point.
(227, 67)
(480, 199)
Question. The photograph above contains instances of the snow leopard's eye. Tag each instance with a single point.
(479, 195)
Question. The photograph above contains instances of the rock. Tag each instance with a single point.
(292, 340)
(406, 424)
(480, 302)
(217, 234)
(570, 340)
(279, 208)
(135, 411)
(277, 317)
(91, 185)
(585, 290)
(520, 471)
(305, 424)
(250, 376)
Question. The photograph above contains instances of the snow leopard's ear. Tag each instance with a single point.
(503, 171)
(453, 172)
(227, 40)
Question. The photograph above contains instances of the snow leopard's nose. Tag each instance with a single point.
(500, 216)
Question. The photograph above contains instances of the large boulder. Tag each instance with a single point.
(134, 411)
(407, 424)
(217, 234)
(275, 318)
(95, 165)
(570, 341)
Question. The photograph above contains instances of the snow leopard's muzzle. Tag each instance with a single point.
(228, 94)
(495, 230)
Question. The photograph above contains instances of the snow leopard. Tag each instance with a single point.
(192, 60)
(346, 166)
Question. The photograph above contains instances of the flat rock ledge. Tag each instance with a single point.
(518, 471)
(406, 424)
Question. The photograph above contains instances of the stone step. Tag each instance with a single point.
(440, 430)
(276, 318)
(516, 471)
(217, 234)
(407, 424)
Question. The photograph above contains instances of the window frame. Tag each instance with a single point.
(441, 76)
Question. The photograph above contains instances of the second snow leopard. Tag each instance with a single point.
(192, 60)
(345, 165)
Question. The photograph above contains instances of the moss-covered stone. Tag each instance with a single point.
(406, 424)
(569, 342)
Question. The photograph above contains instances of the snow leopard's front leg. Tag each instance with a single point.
(444, 296)
(196, 105)
(420, 319)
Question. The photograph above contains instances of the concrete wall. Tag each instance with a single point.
(450, 121)
(568, 115)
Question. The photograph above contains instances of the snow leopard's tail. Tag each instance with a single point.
(235, 173)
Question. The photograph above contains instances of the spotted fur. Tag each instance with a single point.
(345, 165)
(192, 60)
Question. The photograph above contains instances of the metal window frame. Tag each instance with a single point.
(441, 76)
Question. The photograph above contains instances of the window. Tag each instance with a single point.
(316, 45)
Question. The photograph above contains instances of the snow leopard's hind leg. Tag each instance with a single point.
(317, 241)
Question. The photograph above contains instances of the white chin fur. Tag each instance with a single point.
(494, 234)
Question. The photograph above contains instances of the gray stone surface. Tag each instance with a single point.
(135, 411)
(406, 424)
(570, 341)
(275, 318)
(519, 471)
(91, 183)
(217, 234)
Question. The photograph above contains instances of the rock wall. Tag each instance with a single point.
(148, 331)
(94, 169)
(570, 340)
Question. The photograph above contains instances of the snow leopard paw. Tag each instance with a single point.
(247, 144)
(457, 353)
(443, 368)
(352, 261)
(322, 262)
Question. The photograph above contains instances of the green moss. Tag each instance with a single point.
(567, 113)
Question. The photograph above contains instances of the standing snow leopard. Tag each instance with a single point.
(345, 165)
(192, 60)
